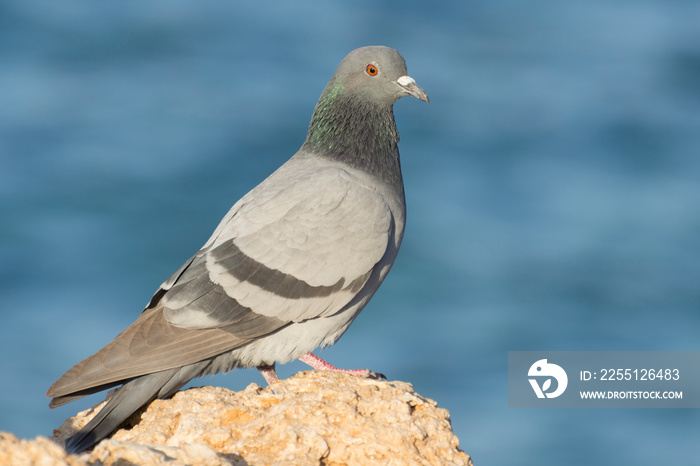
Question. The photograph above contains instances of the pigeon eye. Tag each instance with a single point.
(372, 70)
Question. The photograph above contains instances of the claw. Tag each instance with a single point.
(319, 364)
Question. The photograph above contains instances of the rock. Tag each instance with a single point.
(38, 452)
(313, 417)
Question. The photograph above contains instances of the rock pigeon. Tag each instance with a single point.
(287, 270)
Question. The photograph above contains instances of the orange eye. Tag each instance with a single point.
(372, 70)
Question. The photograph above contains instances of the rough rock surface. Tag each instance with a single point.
(311, 418)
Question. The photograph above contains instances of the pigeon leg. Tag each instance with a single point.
(321, 365)
(269, 373)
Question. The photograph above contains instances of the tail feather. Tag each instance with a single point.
(125, 402)
(65, 399)
(128, 399)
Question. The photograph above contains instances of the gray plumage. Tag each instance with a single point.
(289, 267)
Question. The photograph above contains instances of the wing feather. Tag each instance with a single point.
(299, 246)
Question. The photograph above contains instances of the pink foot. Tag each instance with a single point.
(269, 373)
(321, 365)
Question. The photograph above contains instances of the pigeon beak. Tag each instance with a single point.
(410, 87)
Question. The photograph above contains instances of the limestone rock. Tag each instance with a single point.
(38, 452)
(311, 418)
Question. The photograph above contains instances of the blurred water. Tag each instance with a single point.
(552, 186)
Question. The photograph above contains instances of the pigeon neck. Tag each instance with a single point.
(357, 133)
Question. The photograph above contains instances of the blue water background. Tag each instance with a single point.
(553, 188)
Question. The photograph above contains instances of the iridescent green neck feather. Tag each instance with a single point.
(357, 132)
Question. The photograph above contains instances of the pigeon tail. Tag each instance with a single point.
(127, 399)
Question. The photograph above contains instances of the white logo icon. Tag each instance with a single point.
(544, 369)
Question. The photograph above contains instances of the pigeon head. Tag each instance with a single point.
(375, 74)
(353, 121)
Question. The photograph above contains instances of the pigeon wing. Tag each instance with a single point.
(299, 246)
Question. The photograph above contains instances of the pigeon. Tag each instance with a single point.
(287, 270)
